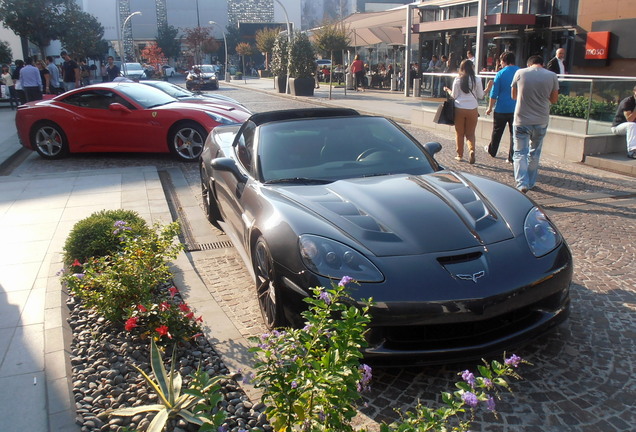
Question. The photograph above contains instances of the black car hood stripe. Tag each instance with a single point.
(405, 215)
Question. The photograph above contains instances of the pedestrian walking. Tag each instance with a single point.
(502, 102)
(54, 76)
(466, 92)
(623, 123)
(31, 81)
(535, 89)
(357, 70)
(10, 85)
(70, 72)
(112, 69)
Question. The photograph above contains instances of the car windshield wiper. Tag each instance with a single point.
(301, 180)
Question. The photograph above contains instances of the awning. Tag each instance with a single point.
(371, 28)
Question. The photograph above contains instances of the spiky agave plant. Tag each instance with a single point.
(195, 405)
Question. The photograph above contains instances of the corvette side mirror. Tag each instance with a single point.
(228, 165)
(118, 107)
(432, 147)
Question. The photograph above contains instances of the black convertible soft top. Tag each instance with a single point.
(293, 114)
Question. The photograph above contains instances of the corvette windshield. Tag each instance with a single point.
(171, 89)
(330, 149)
(145, 96)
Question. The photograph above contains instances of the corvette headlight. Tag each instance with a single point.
(220, 119)
(541, 235)
(334, 260)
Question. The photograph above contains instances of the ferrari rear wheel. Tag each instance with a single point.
(186, 141)
(266, 290)
(209, 203)
(49, 140)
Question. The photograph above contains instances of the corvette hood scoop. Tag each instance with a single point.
(406, 215)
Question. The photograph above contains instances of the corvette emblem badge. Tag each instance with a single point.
(473, 277)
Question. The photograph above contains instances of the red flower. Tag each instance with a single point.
(142, 308)
(200, 319)
(173, 291)
(163, 331)
(76, 263)
(164, 306)
(184, 307)
(197, 335)
(131, 323)
(190, 315)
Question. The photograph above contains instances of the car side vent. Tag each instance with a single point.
(454, 259)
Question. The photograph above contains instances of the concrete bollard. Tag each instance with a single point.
(416, 87)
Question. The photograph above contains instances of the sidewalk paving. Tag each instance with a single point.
(36, 214)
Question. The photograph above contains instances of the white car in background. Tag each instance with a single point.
(168, 70)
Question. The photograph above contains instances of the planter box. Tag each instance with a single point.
(302, 86)
(279, 83)
(264, 73)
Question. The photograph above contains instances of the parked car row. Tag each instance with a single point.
(309, 196)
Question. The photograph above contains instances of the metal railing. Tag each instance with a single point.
(587, 103)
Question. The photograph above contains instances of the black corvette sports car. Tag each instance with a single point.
(458, 265)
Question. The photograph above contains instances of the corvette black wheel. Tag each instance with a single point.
(186, 141)
(266, 290)
(209, 203)
(49, 140)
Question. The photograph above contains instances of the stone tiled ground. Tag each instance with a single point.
(582, 378)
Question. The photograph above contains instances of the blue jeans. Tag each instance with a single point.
(527, 142)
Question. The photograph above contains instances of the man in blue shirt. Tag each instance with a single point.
(502, 102)
(54, 74)
(31, 81)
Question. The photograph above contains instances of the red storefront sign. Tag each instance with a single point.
(597, 45)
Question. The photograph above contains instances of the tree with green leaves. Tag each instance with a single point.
(330, 38)
(302, 58)
(233, 37)
(168, 41)
(6, 56)
(244, 49)
(36, 20)
(81, 33)
(280, 55)
(265, 39)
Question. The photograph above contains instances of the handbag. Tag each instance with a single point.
(445, 113)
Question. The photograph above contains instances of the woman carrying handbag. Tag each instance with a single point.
(466, 91)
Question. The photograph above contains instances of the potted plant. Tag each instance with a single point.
(302, 66)
(265, 40)
(279, 62)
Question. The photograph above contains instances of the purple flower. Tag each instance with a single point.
(294, 384)
(322, 416)
(468, 377)
(470, 399)
(324, 296)
(365, 380)
(345, 280)
(513, 361)
(78, 275)
(308, 327)
(223, 429)
(490, 403)
(488, 383)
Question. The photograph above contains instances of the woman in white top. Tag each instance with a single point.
(467, 90)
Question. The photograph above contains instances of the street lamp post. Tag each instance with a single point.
(227, 71)
(289, 35)
(121, 43)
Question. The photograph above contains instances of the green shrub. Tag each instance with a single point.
(577, 107)
(94, 236)
(115, 284)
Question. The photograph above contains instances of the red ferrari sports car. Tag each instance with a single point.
(120, 117)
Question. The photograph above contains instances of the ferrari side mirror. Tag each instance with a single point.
(118, 107)
(228, 165)
(432, 147)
